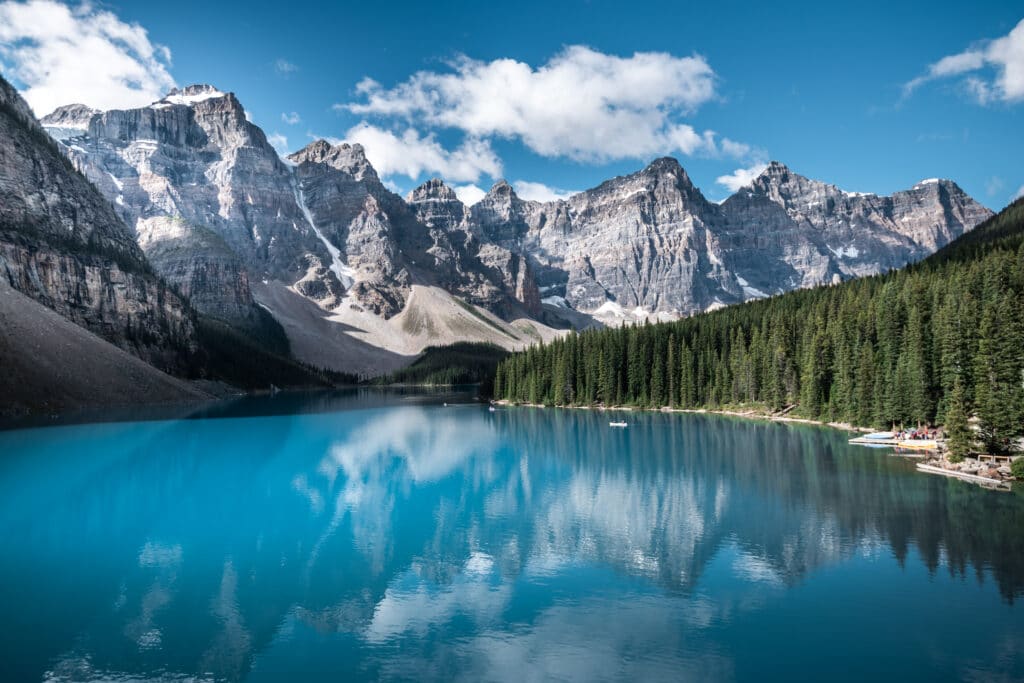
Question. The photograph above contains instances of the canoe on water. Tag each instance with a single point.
(879, 435)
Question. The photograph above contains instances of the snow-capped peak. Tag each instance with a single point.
(190, 95)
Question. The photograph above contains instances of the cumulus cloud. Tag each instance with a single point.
(539, 192)
(741, 177)
(278, 142)
(581, 104)
(284, 68)
(1019, 193)
(469, 194)
(1004, 56)
(61, 55)
(291, 118)
(410, 154)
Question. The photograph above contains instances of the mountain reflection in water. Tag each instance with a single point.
(410, 539)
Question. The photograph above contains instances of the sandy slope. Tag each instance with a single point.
(48, 364)
(352, 340)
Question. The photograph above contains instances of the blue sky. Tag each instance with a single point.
(872, 97)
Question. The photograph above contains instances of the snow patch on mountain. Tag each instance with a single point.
(190, 95)
(341, 269)
(845, 252)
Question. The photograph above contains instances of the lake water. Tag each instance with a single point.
(370, 535)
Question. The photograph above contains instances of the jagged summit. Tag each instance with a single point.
(934, 183)
(346, 157)
(191, 94)
(432, 190)
(502, 187)
(659, 167)
(643, 244)
(70, 116)
(315, 152)
(660, 164)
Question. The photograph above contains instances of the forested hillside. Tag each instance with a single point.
(910, 346)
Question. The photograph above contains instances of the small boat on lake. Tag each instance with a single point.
(879, 435)
(617, 424)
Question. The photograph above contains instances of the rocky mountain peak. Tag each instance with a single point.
(666, 166)
(191, 94)
(70, 116)
(315, 152)
(784, 187)
(502, 189)
(775, 174)
(934, 184)
(348, 158)
(662, 164)
(433, 189)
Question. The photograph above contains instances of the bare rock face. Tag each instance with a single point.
(213, 206)
(341, 195)
(650, 245)
(825, 234)
(644, 243)
(192, 176)
(388, 244)
(62, 244)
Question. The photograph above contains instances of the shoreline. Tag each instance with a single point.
(752, 414)
(748, 414)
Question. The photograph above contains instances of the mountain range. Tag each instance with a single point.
(187, 192)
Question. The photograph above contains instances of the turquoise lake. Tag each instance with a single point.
(369, 535)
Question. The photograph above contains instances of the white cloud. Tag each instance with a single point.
(62, 55)
(1004, 55)
(1019, 193)
(993, 186)
(412, 155)
(278, 142)
(539, 192)
(291, 118)
(738, 150)
(582, 104)
(469, 194)
(741, 177)
(284, 68)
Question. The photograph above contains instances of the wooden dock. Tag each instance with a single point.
(973, 478)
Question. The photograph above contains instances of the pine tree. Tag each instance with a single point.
(960, 437)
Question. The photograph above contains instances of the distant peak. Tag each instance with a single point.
(775, 169)
(350, 158)
(502, 189)
(191, 94)
(314, 152)
(70, 116)
(775, 174)
(432, 189)
(196, 89)
(665, 164)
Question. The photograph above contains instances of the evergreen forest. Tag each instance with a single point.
(937, 342)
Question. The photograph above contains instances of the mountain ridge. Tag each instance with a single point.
(645, 245)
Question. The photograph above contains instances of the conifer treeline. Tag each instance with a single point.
(873, 351)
